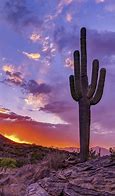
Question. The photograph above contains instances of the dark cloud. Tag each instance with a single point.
(30, 86)
(14, 78)
(11, 116)
(33, 87)
(18, 13)
(65, 39)
(57, 107)
(101, 44)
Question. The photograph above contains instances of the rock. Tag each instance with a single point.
(74, 190)
(35, 190)
(94, 177)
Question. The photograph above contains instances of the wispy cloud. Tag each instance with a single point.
(33, 56)
(35, 37)
(36, 101)
(110, 7)
(4, 110)
(100, 1)
(8, 68)
(69, 17)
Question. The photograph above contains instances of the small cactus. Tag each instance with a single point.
(85, 94)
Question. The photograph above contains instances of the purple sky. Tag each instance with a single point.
(37, 41)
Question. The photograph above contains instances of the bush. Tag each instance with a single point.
(56, 160)
(8, 162)
(34, 157)
(112, 154)
(93, 154)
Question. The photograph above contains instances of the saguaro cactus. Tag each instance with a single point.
(85, 94)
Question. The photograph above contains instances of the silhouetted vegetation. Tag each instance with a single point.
(112, 154)
(8, 162)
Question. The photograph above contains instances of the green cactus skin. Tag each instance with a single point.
(85, 94)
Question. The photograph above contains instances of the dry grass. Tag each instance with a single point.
(56, 160)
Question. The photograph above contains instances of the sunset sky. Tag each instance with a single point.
(37, 41)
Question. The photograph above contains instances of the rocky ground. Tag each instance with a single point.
(31, 170)
(94, 177)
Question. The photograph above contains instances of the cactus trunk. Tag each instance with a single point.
(84, 125)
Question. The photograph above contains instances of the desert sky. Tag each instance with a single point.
(37, 41)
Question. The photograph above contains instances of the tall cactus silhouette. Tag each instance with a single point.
(85, 94)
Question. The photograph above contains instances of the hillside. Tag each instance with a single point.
(25, 153)
(43, 171)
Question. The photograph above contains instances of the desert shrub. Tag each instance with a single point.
(56, 160)
(21, 162)
(112, 154)
(36, 156)
(93, 154)
(8, 162)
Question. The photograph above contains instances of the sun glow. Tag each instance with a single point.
(15, 139)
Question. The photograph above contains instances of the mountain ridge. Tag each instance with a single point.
(103, 151)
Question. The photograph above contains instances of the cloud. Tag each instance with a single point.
(8, 68)
(40, 133)
(7, 115)
(35, 37)
(37, 101)
(57, 107)
(100, 1)
(18, 13)
(97, 128)
(65, 39)
(104, 41)
(49, 134)
(33, 87)
(12, 76)
(4, 110)
(69, 17)
(34, 56)
(110, 7)
(29, 87)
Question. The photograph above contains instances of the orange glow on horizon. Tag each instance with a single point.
(25, 132)
(16, 139)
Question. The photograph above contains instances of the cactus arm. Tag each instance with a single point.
(77, 73)
(74, 94)
(100, 88)
(83, 53)
(77, 64)
(94, 78)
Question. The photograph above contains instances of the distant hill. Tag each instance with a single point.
(24, 153)
(103, 152)
(4, 140)
(9, 143)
